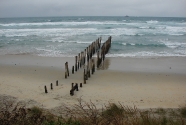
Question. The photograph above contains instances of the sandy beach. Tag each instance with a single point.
(145, 83)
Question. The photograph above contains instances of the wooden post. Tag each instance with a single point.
(103, 52)
(93, 66)
(85, 57)
(65, 70)
(71, 92)
(78, 60)
(77, 87)
(81, 85)
(87, 54)
(88, 70)
(81, 59)
(51, 86)
(98, 59)
(46, 89)
(76, 63)
(72, 85)
(57, 83)
(72, 69)
(84, 79)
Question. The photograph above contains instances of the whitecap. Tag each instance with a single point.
(152, 21)
(124, 44)
(171, 44)
(176, 34)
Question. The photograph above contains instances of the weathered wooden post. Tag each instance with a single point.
(71, 92)
(81, 59)
(57, 83)
(51, 86)
(72, 85)
(77, 87)
(84, 79)
(93, 66)
(103, 52)
(78, 60)
(99, 43)
(76, 63)
(46, 89)
(65, 70)
(87, 73)
(85, 57)
(99, 60)
(89, 69)
(81, 85)
(87, 54)
(72, 69)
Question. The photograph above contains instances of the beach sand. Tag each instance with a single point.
(144, 83)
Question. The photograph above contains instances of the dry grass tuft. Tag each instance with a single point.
(12, 113)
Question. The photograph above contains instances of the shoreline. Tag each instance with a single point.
(145, 83)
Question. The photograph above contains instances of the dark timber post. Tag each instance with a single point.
(72, 69)
(51, 86)
(46, 90)
(65, 70)
(77, 87)
(71, 92)
(76, 63)
(72, 85)
(84, 79)
(57, 83)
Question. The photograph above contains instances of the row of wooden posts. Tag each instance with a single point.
(71, 91)
(85, 57)
(51, 87)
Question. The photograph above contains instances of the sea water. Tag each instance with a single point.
(68, 36)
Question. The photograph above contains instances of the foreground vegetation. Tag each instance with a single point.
(12, 113)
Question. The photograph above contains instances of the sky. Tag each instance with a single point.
(43, 8)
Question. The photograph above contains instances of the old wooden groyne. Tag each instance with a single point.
(85, 60)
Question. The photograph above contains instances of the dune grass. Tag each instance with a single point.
(84, 113)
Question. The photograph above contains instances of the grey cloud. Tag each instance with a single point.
(10, 8)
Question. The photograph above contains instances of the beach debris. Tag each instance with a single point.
(46, 89)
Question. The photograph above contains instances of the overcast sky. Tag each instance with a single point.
(35, 8)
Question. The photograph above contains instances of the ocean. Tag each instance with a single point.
(67, 36)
